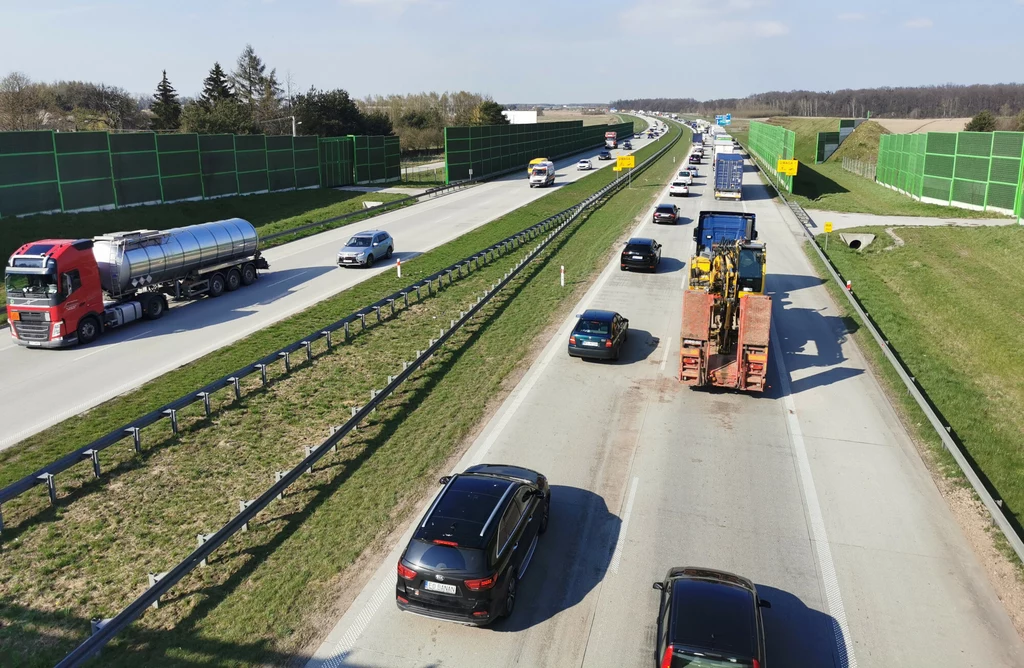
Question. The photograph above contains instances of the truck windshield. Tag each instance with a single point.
(540, 171)
(31, 285)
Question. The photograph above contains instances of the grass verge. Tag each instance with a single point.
(268, 593)
(830, 187)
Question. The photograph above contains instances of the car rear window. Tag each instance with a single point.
(712, 616)
(463, 511)
(598, 327)
(638, 248)
(665, 208)
(678, 184)
(445, 557)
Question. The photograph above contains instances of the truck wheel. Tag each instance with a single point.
(234, 280)
(216, 285)
(153, 307)
(248, 274)
(88, 329)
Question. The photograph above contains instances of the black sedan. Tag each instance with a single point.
(604, 155)
(695, 159)
(709, 618)
(598, 335)
(468, 553)
(666, 213)
(640, 253)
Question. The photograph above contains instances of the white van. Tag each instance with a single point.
(542, 174)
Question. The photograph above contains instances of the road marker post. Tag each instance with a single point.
(398, 265)
(562, 276)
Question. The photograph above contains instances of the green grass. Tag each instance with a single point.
(829, 187)
(268, 593)
(269, 213)
(941, 300)
(862, 144)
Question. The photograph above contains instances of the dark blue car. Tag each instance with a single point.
(598, 335)
(604, 155)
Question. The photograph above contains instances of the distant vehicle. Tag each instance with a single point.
(685, 176)
(598, 335)
(709, 618)
(604, 155)
(535, 161)
(699, 150)
(729, 176)
(695, 159)
(693, 171)
(640, 253)
(584, 165)
(542, 174)
(628, 145)
(474, 544)
(611, 140)
(666, 213)
(365, 248)
(678, 188)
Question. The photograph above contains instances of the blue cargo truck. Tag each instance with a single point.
(718, 227)
(728, 176)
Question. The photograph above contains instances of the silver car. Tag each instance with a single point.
(365, 248)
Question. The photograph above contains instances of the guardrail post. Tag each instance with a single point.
(172, 413)
(309, 350)
(405, 296)
(200, 539)
(327, 335)
(153, 579)
(418, 298)
(94, 455)
(136, 438)
(287, 361)
(242, 505)
(449, 277)
(308, 450)
(391, 303)
(362, 320)
(430, 287)
(205, 396)
(263, 373)
(377, 309)
(277, 478)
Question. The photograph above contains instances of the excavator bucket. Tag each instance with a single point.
(694, 342)
(752, 342)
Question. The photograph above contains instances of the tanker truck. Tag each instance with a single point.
(61, 292)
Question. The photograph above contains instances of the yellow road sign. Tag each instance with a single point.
(628, 161)
(616, 168)
(828, 227)
(788, 167)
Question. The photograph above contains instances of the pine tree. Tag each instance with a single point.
(166, 106)
(249, 79)
(215, 87)
(984, 121)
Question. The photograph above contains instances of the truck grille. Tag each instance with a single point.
(32, 331)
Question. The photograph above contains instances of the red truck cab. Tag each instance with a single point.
(54, 294)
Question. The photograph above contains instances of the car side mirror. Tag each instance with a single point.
(763, 603)
(660, 586)
(445, 479)
(376, 243)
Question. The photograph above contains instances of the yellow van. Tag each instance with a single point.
(529, 168)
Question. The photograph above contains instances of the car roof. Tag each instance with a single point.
(597, 314)
(640, 241)
(713, 611)
(366, 233)
(666, 205)
(462, 509)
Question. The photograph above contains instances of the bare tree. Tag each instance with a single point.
(19, 103)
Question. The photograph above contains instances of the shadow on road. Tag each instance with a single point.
(796, 635)
(571, 559)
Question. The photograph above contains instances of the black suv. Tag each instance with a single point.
(709, 618)
(469, 551)
(640, 253)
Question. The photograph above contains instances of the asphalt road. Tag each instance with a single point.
(53, 385)
(812, 490)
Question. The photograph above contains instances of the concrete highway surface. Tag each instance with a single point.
(54, 385)
(812, 490)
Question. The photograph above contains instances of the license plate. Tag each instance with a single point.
(591, 344)
(437, 586)
(637, 257)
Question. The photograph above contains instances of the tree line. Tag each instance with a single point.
(945, 101)
(249, 99)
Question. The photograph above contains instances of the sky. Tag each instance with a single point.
(559, 51)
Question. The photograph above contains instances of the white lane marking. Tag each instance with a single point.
(664, 357)
(621, 542)
(109, 348)
(289, 278)
(347, 642)
(833, 597)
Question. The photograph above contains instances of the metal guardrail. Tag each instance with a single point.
(983, 487)
(105, 630)
(46, 475)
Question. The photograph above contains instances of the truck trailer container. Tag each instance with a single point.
(61, 292)
(728, 176)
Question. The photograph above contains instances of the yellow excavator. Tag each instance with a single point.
(726, 315)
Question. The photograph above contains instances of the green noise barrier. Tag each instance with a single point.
(769, 144)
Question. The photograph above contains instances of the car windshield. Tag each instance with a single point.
(358, 242)
(598, 327)
(583, 162)
(24, 285)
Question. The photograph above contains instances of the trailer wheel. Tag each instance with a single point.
(216, 285)
(248, 274)
(153, 307)
(234, 280)
(88, 329)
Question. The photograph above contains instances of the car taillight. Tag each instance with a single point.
(572, 340)
(481, 613)
(666, 661)
(607, 343)
(402, 599)
(485, 583)
(757, 664)
(449, 543)
(406, 573)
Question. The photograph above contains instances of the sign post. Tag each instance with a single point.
(828, 231)
(627, 162)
